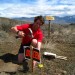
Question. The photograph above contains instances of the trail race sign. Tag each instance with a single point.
(35, 54)
(49, 18)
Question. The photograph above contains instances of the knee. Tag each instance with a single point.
(34, 42)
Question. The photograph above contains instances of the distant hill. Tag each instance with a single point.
(58, 20)
(9, 21)
(31, 19)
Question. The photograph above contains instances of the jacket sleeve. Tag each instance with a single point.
(22, 27)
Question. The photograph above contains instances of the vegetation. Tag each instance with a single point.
(60, 42)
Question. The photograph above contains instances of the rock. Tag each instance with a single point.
(9, 67)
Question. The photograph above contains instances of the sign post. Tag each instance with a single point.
(49, 18)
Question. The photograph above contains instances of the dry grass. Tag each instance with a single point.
(61, 42)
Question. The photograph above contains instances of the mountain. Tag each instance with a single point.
(25, 19)
(58, 20)
(70, 19)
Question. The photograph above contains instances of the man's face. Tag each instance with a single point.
(37, 24)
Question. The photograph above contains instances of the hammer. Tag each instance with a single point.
(30, 32)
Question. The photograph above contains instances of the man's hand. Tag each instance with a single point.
(21, 34)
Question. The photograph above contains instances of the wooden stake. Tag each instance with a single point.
(31, 54)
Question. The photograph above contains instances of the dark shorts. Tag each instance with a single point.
(21, 49)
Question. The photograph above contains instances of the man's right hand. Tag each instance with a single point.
(21, 34)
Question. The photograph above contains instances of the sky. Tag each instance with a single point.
(32, 8)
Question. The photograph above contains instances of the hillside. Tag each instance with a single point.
(9, 21)
(60, 42)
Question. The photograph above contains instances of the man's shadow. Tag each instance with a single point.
(14, 59)
(9, 58)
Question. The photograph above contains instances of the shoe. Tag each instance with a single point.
(25, 66)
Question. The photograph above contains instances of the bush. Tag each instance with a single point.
(6, 27)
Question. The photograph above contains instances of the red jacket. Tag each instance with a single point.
(37, 34)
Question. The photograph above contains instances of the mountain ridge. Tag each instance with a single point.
(60, 20)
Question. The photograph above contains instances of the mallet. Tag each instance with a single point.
(30, 32)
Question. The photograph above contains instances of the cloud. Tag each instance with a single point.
(37, 7)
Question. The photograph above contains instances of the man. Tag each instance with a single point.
(27, 39)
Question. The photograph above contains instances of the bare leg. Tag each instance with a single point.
(21, 62)
(20, 57)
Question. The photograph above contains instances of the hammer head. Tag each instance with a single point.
(31, 32)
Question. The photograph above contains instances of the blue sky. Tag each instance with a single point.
(31, 8)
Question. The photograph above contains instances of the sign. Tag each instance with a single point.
(49, 18)
(35, 54)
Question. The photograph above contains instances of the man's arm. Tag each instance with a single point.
(39, 45)
(14, 29)
(18, 32)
